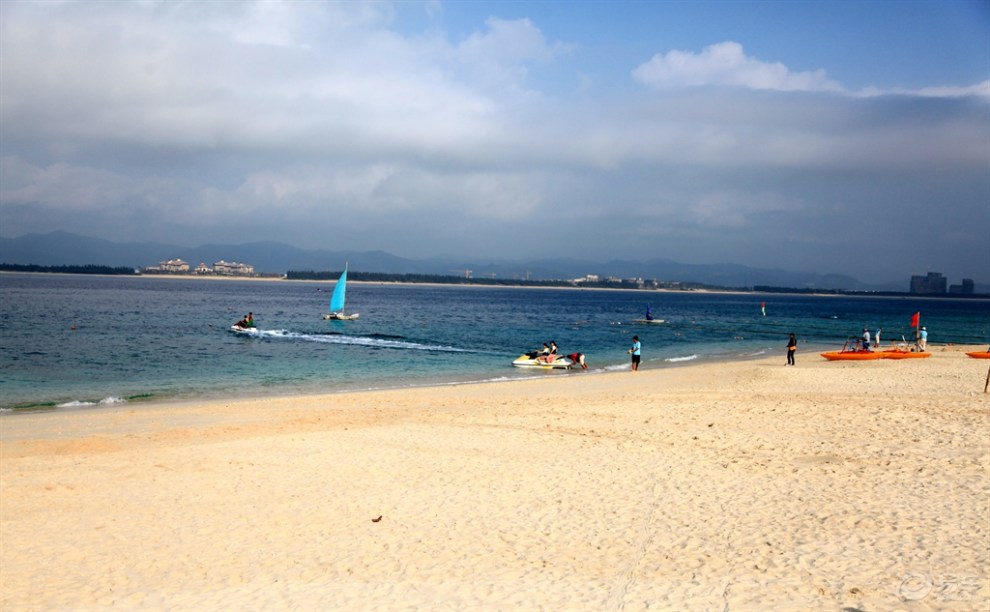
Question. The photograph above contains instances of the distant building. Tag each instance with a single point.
(932, 284)
(232, 268)
(223, 268)
(174, 266)
(968, 287)
(588, 278)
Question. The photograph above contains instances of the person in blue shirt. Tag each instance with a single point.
(635, 352)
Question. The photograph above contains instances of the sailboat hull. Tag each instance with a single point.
(339, 316)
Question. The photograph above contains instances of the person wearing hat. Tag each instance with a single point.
(866, 339)
(923, 339)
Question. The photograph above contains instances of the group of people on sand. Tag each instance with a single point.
(867, 342)
(921, 339)
(247, 322)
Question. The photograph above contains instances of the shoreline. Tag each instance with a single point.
(512, 375)
(211, 401)
(737, 485)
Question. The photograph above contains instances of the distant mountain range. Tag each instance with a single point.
(64, 248)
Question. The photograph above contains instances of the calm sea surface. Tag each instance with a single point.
(74, 340)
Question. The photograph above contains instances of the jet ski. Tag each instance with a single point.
(244, 331)
(532, 360)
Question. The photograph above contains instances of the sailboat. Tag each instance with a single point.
(337, 300)
(648, 318)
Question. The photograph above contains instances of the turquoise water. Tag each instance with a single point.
(73, 340)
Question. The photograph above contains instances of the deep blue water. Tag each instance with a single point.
(73, 339)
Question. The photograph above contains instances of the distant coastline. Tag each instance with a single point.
(441, 280)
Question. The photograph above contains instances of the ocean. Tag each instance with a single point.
(70, 341)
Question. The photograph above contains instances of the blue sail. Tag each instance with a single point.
(339, 291)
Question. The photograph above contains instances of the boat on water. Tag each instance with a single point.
(244, 331)
(532, 360)
(648, 317)
(245, 326)
(979, 354)
(337, 301)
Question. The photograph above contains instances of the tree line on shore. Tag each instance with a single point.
(83, 269)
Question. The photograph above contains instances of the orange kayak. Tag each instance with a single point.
(851, 355)
(980, 355)
(898, 354)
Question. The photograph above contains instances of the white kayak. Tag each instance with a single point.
(647, 320)
(531, 360)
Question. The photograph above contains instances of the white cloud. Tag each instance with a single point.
(65, 186)
(726, 64)
(295, 119)
(981, 90)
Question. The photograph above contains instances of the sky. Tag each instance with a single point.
(839, 136)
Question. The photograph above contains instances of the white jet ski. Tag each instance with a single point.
(532, 360)
(244, 331)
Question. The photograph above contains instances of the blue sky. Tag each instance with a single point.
(849, 137)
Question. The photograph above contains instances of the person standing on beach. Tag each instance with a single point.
(635, 352)
(866, 339)
(876, 338)
(791, 349)
(923, 339)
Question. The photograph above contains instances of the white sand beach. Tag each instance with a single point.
(735, 486)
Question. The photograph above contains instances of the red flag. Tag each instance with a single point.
(915, 319)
